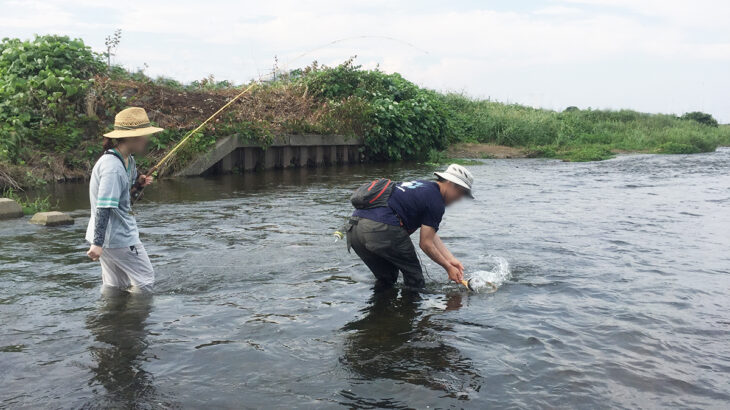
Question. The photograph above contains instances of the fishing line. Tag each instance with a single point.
(425, 269)
(137, 189)
(389, 38)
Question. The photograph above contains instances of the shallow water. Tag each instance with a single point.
(617, 296)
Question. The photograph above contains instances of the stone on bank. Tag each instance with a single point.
(10, 209)
(53, 218)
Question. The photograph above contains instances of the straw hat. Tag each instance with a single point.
(132, 122)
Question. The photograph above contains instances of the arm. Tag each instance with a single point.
(107, 198)
(100, 224)
(429, 245)
(449, 256)
(442, 248)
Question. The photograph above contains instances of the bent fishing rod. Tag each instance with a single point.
(137, 188)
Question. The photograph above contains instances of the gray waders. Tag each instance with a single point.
(385, 249)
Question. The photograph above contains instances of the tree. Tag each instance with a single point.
(112, 43)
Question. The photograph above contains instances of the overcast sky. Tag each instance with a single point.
(667, 56)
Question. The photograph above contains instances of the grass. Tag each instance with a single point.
(460, 161)
(589, 153)
(442, 158)
(30, 206)
(579, 135)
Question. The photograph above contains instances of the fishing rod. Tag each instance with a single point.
(137, 188)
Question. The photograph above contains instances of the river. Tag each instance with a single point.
(616, 295)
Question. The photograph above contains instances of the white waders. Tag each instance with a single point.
(127, 269)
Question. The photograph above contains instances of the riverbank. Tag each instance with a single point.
(54, 114)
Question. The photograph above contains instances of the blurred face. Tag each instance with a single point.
(453, 193)
(136, 145)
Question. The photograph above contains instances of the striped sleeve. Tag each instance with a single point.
(110, 189)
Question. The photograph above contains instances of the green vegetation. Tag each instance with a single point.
(701, 117)
(441, 158)
(30, 206)
(57, 97)
(43, 86)
(582, 135)
(403, 121)
(397, 119)
(42, 89)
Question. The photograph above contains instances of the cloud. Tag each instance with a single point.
(559, 11)
(470, 47)
(702, 14)
(34, 14)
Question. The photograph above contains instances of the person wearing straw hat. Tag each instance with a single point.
(380, 228)
(112, 230)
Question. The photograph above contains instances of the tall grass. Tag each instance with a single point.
(581, 135)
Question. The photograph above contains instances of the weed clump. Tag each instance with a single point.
(30, 205)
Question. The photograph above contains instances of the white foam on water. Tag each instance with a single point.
(495, 271)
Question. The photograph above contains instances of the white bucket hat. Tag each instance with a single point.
(460, 176)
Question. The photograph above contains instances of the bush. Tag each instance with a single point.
(42, 88)
(701, 117)
(691, 145)
(399, 121)
(588, 153)
(677, 148)
(404, 130)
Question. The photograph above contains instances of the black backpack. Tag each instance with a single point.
(373, 194)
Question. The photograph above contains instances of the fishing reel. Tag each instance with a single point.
(137, 190)
(135, 193)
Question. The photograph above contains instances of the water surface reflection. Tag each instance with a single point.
(119, 328)
(402, 338)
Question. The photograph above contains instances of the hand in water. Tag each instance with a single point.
(145, 180)
(455, 274)
(94, 252)
(457, 264)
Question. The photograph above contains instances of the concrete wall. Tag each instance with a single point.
(233, 154)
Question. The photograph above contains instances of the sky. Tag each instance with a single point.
(669, 56)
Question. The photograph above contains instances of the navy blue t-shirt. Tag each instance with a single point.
(416, 203)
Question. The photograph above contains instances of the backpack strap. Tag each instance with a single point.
(379, 193)
(116, 154)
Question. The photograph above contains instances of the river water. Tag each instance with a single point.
(615, 295)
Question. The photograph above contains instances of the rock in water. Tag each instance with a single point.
(10, 209)
(53, 218)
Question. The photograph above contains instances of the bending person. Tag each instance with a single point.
(381, 235)
(112, 230)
